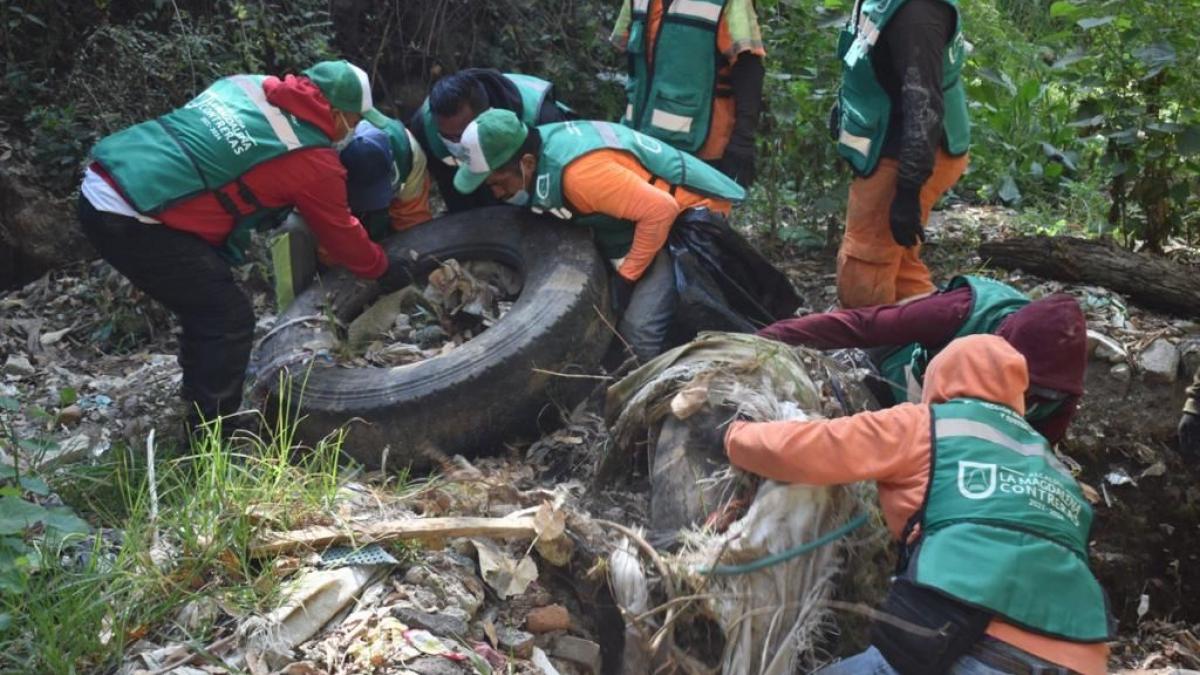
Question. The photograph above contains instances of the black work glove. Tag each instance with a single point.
(621, 291)
(906, 217)
(835, 121)
(1189, 435)
(398, 275)
(738, 162)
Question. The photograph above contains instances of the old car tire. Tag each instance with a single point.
(474, 398)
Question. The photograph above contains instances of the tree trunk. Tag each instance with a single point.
(38, 232)
(1155, 283)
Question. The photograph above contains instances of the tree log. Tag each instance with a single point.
(1154, 283)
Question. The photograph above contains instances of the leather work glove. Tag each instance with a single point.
(398, 275)
(1189, 435)
(906, 217)
(738, 162)
(621, 290)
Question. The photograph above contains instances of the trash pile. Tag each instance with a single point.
(86, 361)
(459, 302)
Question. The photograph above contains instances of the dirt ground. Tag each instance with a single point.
(92, 363)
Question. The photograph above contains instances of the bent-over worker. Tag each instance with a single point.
(1051, 333)
(628, 187)
(992, 528)
(460, 97)
(171, 202)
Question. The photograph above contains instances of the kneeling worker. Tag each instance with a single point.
(171, 202)
(628, 187)
(992, 528)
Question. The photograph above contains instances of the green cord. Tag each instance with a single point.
(783, 556)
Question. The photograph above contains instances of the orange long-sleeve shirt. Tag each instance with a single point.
(614, 183)
(893, 447)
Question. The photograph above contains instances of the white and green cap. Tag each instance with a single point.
(488, 142)
(347, 88)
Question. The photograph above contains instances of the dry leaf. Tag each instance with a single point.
(489, 629)
(548, 522)
(506, 576)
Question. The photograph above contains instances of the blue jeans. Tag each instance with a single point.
(646, 320)
(871, 662)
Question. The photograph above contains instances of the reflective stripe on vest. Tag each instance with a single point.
(565, 142)
(1004, 526)
(206, 146)
(275, 117)
(865, 108)
(670, 92)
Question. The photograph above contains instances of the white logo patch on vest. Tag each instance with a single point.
(976, 480)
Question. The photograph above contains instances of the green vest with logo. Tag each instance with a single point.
(865, 107)
(1005, 526)
(670, 92)
(533, 91)
(565, 142)
(991, 302)
(205, 147)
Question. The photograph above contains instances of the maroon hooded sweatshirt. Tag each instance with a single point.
(1051, 333)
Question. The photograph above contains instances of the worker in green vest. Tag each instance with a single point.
(901, 123)
(460, 97)
(992, 528)
(1189, 422)
(628, 187)
(387, 188)
(695, 77)
(1050, 332)
(171, 203)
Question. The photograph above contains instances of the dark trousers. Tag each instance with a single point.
(185, 274)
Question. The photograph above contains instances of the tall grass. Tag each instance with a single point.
(91, 599)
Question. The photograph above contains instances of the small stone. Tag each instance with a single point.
(547, 619)
(577, 650)
(1160, 361)
(518, 642)
(1121, 371)
(18, 365)
(434, 665)
(1104, 348)
(438, 624)
(70, 415)
(429, 336)
(1189, 351)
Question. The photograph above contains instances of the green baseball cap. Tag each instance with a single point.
(347, 88)
(489, 142)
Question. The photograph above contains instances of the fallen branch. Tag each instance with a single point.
(420, 529)
(1152, 281)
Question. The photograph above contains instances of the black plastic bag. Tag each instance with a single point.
(723, 282)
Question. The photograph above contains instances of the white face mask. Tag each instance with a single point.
(344, 141)
(457, 150)
(520, 197)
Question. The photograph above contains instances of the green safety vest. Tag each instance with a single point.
(1005, 526)
(670, 92)
(991, 302)
(865, 107)
(205, 147)
(533, 91)
(565, 142)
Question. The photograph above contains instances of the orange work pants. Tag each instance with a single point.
(872, 269)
